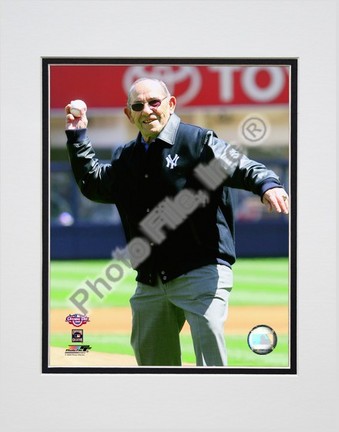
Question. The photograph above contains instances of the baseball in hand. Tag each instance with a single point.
(78, 107)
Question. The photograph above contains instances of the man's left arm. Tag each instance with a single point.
(244, 173)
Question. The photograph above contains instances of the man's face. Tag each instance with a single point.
(151, 119)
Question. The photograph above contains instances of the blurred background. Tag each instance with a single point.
(223, 98)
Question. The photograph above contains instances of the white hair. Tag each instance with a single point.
(156, 80)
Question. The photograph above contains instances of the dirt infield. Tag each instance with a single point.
(241, 320)
(92, 358)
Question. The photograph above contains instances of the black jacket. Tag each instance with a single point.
(137, 181)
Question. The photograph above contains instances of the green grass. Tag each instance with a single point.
(256, 282)
(259, 281)
(66, 277)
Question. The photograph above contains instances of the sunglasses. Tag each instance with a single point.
(154, 103)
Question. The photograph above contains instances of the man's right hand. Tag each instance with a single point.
(75, 122)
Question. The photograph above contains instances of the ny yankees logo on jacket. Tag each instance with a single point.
(171, 163)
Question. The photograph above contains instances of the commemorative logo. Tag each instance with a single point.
(77, 335)
(77, 320)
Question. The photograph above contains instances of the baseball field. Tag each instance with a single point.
(260, 296)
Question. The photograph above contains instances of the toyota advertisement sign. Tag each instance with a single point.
(106, 86)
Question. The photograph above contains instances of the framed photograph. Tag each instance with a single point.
(251, 106)
(46, 365)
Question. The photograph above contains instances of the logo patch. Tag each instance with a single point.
(171, 163)
(77, 350)
(77, 319)
(77, 335)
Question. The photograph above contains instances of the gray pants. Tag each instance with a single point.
(159, 313)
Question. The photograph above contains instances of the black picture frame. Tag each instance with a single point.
(292, 63)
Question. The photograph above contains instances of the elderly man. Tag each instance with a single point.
(187, 274)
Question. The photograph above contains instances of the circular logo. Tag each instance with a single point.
(254, 129)
(262, 339)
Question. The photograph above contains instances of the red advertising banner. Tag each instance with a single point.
(106, 86)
